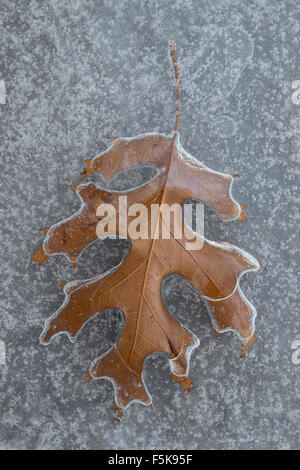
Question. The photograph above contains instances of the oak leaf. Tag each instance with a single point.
(134, 286)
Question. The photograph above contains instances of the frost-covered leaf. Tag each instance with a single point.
(135, 285)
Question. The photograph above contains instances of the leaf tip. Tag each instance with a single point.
(39, 256)
(183, 381)
(247, 345)
(119, 412)
(74, 186)
(44, 230)
(87, 377)
(242, 217)
(87, 170)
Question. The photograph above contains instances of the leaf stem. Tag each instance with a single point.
(175, 65)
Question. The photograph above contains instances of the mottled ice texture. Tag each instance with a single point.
(79, 72)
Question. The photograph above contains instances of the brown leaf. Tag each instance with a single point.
(135, 285)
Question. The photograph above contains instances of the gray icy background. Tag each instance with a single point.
(79, 72)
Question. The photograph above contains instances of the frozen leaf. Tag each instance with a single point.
(135, 285)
